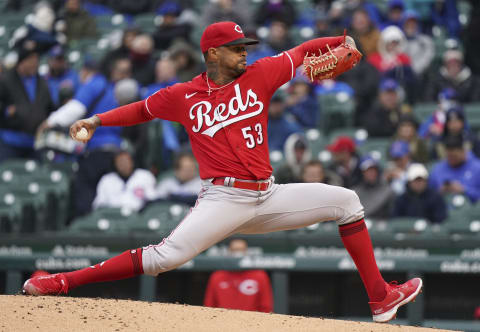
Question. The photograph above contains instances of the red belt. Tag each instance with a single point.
(241, 184)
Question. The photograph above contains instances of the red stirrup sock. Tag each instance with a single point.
(357, 241)
(126, 265)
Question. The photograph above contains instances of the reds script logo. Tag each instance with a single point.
(221, 115)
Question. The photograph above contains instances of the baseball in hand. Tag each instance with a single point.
(82, 134)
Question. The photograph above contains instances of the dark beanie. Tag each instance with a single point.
(25, 49)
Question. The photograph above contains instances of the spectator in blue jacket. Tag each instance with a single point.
(62, 80)
(459, 173)
(419, 200)
(302, 102)
(96, 95)
(456, 123)
(280, 126)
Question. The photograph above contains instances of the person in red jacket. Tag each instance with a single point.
(244, 290)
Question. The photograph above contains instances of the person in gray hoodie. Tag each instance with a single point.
(375, 194)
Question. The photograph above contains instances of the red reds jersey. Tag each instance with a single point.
(228, 126)
(243, 290)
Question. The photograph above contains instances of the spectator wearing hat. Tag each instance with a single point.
(459, 173)
(391, 60)
(280, 124)
(384, 117)
(407, 131)
(419, 200)
(346, 162)
(374, 193)
(395, 10)
(296, 153)
(396, 171)
(456, 124)
(62, 81)
(25, 102)
(419, 45)
(171, 28)
(432, 126)
(391, 50)
(40, 29)
(364, 31)
(78, 22)
(456, 75)
(302, 102)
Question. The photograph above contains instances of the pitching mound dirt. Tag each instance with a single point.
(27, 313)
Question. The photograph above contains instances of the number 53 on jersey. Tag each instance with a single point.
(249, 135)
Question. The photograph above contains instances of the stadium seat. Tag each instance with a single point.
(408, 225)
(147, 22)
(472, 112)
(27, 202)
(337, 111)
(423, 110)
(19, 166)
(316, 141)
(106, 220)
(376, 148)
(358, 134)
(10, 212)
(168, 214)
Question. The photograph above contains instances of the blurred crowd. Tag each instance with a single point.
(44, 89)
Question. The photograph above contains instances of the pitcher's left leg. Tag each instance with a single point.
(298, 205)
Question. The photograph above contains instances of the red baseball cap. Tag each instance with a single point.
(342, 143)
(223, 34)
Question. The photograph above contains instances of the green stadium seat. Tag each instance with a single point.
(423, 110)
(472, 112)
(10, 212)
(19, 166)
(29, 201)
(147, 22)
(104, 220)
(337, 111)
(316, 141)
(376, 147)
(277, 159)
(410, 225)
(168, 214)
(358, 134)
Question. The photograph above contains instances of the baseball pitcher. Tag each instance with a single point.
(225, 112)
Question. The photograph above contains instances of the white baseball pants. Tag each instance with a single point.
(223, 211)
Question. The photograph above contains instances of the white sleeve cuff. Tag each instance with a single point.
(67, 114)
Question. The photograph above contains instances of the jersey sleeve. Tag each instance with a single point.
(163, 104)
(276, 70)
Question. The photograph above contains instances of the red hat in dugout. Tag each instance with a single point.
(342, 143)
(223, 34)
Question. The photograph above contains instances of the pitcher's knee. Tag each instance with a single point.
(352, 207)
(163, 257)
